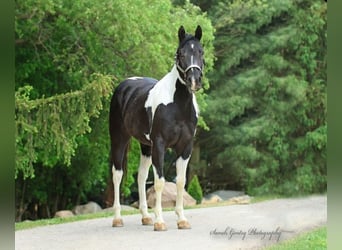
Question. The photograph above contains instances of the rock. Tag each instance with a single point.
(123, 208)
(135, 204)
(214, 199)
(64, 214)
(90, 207)
(224, 194)
(168, 196)
(244, 199)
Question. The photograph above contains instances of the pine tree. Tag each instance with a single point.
(195, 190)
(267, 103)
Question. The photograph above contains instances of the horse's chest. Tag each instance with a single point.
(173, 124)
(171, 110)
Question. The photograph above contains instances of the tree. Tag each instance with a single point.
(195, 190)
(267, 103)
(69, 56)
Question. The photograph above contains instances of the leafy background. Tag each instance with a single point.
(263, 120)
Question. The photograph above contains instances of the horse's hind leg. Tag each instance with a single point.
(145, 163)
(119, 147)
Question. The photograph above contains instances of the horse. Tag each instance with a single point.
(159, 114)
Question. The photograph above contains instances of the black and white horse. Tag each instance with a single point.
(160, 114)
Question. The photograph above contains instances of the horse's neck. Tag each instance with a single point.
(169, 80)
(177, 88)
(168, 90)
(163, 91)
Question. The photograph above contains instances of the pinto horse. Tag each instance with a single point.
(159, 114)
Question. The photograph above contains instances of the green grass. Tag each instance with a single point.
(54, 221)
(268, 197)
(314, 240)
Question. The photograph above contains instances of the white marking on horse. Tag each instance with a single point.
(147, 136)
(117, 176)
(163, 91)
(181, 165)
(144, 166)
(135, 78)
(194, 103)
(159, 184)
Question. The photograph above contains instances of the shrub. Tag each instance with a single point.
(195, 190)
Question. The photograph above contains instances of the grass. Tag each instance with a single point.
(314, 240)
(268, 197)
(55, 221)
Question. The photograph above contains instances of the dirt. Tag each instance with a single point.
(252, 226)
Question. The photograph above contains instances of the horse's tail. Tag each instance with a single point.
(119, 145)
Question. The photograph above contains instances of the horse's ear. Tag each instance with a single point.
(181, 33)
(198, 32)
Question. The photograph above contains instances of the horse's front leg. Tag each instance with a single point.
(181, 165)
(145, 163)
(158, 152)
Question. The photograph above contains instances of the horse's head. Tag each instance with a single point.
(189, 58)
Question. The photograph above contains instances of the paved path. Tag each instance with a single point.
(251, 226)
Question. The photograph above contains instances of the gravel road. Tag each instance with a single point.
(252, 226)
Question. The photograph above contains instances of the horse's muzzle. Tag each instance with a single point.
(194, 84)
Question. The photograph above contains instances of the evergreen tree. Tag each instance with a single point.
(195, 190)
(267, 103)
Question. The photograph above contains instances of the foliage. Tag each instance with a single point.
(55, 121)
(266, 106)
(195, 190)
(69, 55)
(267, 103)
(316, 239)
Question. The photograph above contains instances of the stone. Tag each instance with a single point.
(90, 207)
(135, 204)
(64, 214)
(123, 208)
(212, 200)
(224, 194)
(168, 196)
(244, 199)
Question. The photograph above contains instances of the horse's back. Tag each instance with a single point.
(127, 109)
(132, 90)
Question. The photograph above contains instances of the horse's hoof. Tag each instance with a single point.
(160, 226)
(183, 224)
(117, 223)
(147, 221)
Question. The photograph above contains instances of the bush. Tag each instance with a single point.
(195, 190)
